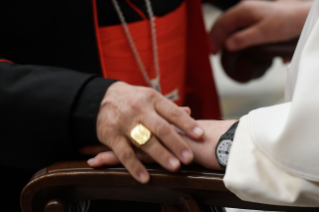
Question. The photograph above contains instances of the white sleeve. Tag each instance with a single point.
(253, 177)
(275, 155)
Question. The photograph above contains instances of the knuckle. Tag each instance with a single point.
(238, 40)
(135, 105)
(111, 143)
(126, 155)
(162, 129)
(150, 93)
(262, 32)
(163, 154)
(175, 113)
(220, 29)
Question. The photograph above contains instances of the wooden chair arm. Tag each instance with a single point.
(252, 63)
(54, 187)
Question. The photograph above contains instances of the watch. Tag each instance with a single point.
(224, 145)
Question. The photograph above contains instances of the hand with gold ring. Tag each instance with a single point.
(133, 115)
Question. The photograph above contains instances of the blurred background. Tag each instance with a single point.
(238, 99)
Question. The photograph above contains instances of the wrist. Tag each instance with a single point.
(223, 147)
(107, 104)
(299, 16)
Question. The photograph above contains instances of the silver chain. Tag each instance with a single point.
(133, 46)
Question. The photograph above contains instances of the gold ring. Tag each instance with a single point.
(140, 135)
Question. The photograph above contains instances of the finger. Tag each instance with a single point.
(246, 38)
(168, 136)
(126, 155)
(104, 158)
(232, 20)
(109, 158)
(176, 116)
(161, 155)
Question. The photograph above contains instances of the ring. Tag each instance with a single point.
(140, 135)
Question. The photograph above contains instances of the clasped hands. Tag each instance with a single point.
(177, 138)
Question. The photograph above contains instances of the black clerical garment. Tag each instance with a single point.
(50, 82)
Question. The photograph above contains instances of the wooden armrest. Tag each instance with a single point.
(252, 63)
(72, 182)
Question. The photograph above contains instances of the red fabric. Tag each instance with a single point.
(171, 39)
(183, 49)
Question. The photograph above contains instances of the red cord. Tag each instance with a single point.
(6, 61)
(136, 9)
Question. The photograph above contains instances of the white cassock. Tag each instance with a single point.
(275, 154)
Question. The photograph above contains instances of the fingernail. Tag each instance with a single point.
(143, 177)
(173, 162)
(186, 155)
(91, 161)
(198, 131)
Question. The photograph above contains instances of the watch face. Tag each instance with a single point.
(223, 150)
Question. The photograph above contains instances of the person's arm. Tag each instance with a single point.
(256, 22)
(38, 105)
(49, 112)
(274, 157)
(280, 143)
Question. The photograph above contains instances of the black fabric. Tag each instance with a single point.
(108, 16)
(39, 93)
(84, 113)
(37, 101)
(12, 182)
(224, 4)
(35, 105)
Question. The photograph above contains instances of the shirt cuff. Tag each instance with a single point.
(85, 109)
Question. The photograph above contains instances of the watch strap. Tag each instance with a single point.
(230, 132)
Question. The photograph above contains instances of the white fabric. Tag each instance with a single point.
(275, 155)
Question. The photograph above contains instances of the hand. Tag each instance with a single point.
(254, 22)
(122, 108)
(204, 151)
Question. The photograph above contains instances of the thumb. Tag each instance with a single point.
(104, 158)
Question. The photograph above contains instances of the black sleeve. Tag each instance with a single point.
(38, 105)
(83, 117)
(224, 4)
